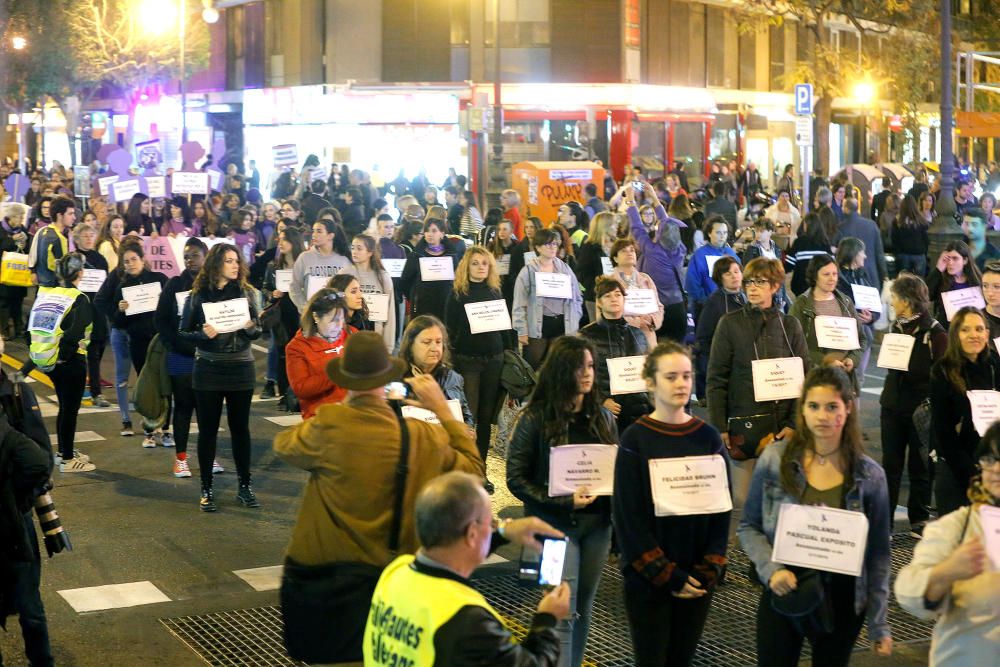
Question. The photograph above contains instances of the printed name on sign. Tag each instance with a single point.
(413, 412)
(227, 316)
(553, 285)
(837, 333)
(503, 265)
(689, 485)
(985, 404)
(957, 299)
(822, 538)
(866, 297)
(641, 302)
(378, 307)
(573, 467)
(625, 374)
(436, 268)
(394, 267)
(486, 316)
(141, 298)
(283, 280)
(92, 280)
(895, 352)
(777, 379)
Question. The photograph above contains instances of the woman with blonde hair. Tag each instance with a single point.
(594, 257)
(478, 356)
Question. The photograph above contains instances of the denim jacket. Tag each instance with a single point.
(869, 495)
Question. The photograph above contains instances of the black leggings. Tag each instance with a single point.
(209, 406)
(184, 400)
(482, 390)
(69, 379)
(665, 630)
(138, 345)
(95, 352)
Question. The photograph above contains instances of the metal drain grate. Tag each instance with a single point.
(253, 637)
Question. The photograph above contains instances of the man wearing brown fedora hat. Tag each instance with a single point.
(352, 450)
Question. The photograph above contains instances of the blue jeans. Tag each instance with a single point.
(123, 366)
(586, 554)
(916, 264)
(27, 602)
(271, 374)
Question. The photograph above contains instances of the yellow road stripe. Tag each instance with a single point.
(37, 374)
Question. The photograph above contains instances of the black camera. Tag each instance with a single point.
(56, 538)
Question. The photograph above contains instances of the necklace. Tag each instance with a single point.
(822, 458)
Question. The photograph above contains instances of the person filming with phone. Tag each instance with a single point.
(367, 464)
(425, 612)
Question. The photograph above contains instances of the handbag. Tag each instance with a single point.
(517, 377)
(14, 270)
(270, 317)
(748, 435)
(809, 607)
(325, 607)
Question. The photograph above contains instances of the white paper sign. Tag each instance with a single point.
(106, 182)
(315, 284)
(436, 268)
(777, 379)
(189, 183)
(606, 266)
(553, 285)
(227, 316)
(985, 408)
(141, 298)
(689, 485)
(92, 280)
(626, 375)
(990, 517)
(895, 352)
(710, 261)
(503, 265)
(123, 190)
(959, 298)
(182, 298)
(413, 412)
(528, 256)
(283, 280)
(640, 302)
(48, 311)
(572, 467)
(837, 333)
(378, 307)
(156, 186)
(821, 538)
(486, 316)
(867, 297)
(394, 267)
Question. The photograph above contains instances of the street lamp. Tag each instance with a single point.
(158, 16)
(18, 43)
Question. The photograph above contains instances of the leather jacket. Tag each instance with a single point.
(233, 346)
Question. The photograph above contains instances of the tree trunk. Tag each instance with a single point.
(821, 134)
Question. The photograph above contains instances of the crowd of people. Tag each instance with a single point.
(393, 328)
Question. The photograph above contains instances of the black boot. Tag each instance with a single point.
(268, 390)
(246, 495)
(207, 503)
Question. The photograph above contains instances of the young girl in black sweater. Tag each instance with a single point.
(672, 536)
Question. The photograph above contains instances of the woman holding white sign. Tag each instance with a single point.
(375, 284)
(829, 321)
(853, 282)
(839, 562)
(132, 322)
(565, 409)
(967, 365)
(594, 256)
(758, 355)
(502, 247)
(479, 327)
(224, 364)
(728, 275)
(277, 282)
(620, 351)
(953, 575)
(625, 257)
(547, 299)
(430, 271)
(95, 273)
(322, 261)
(915, 341)
(425, 349)
(671, 508)
(14, 238)
(955, 271)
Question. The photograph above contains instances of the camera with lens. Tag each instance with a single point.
(55, 536)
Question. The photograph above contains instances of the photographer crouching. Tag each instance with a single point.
(25, 468)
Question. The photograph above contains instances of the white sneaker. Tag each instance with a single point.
(149, 441)
(181, 468)
(76, 465)
(77, 454)
(167, 440)
(216, 467)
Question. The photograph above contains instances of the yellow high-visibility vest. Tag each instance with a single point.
(45, 323)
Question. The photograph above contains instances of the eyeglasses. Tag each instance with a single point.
(988, 461)
(554, 244)
(756, 282)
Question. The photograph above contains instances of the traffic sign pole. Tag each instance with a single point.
(804, 136)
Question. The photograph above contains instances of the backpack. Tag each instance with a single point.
(517, 377)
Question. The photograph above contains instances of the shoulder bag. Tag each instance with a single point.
(325, 607)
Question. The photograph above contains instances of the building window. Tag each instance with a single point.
(804, 44)
(523, 23)
(777, 55)
(850, 46)
(748, 61)
(696, 34)
(715, 40)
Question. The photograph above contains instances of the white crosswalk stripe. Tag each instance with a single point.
(80, 436)
(262, 578)
(113, 596)
(285, 420)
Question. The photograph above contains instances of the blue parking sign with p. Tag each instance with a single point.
(803, 98)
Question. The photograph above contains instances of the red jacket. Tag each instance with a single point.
(306, 358)
(514, 216)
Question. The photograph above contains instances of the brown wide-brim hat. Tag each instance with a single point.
(365, 363)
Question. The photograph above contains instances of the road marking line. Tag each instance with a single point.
(262, 578)
(114, 596)
(80, 436)
(37, 374)
(876, 391)
(259, 348)
(286, 420)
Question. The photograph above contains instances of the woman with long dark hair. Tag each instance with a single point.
(109, 238)
(223, 367)
(967, 365)
(322, 337)
(565, 408)
(426, 288)
(955, 269)
(326, 257)
(851, 255)
(375, 282)
(138, 220)
(85, 238)
(824, 464)
(290, 246)
(178, 222)
(358, 313)
(909, 238)
(812, 240)
(593, 254)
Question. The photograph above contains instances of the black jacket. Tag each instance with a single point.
(719, 303)
(528, 469)
(111, 294)
(95, 260)
(456, 321)
(474, 636)
(24, 468)
(8, 244)
(234, 346)
(909, 239)
(168, 320)
(427, 298)
(905, 390)
(613, 339)
(589, 267)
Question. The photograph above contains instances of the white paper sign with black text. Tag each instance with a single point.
(141, 298)
(957, 299)
(378, 307)
(626, 375)
(553, 285)
(503, 265)
(283, 280)
(985, 405)
(485, 316)
(436, 268)
(837, 333)
(895, 352)
(413, 412)
(867, 297)
(227, 316)
(394, 267)
(640, 302)
(777, 379)
(92, 280)
(573, 467)
(689, 485)
(821, 538)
